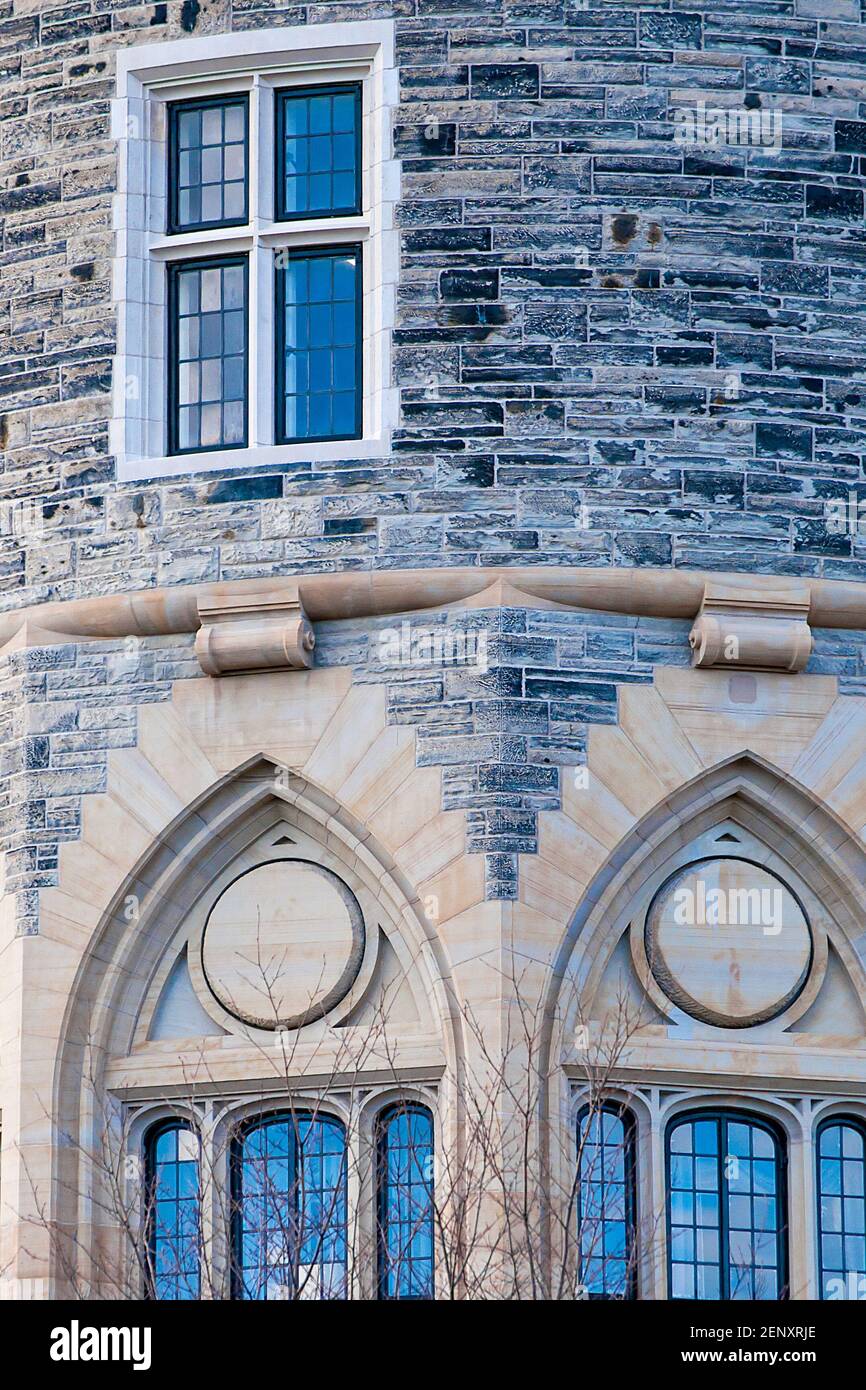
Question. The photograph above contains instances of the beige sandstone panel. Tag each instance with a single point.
(554, 880)
(280, 713)
(353, 727)
(613, 757)
(837, 747)
(848, 799)
(283, 943)
(411, 806)
(457, 887)
(140, 787)
(568, 847)
(161, 733)
(773, 716)
(591, 804)
(105, 821)
(386, 764)
(535, 927)
(645, 718)
(440, 841)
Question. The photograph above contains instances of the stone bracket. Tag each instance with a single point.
(752, 629)
(245, 632)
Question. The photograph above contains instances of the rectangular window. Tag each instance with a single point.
(256, 182)
(207, 354)
(319, 344)
(207, 165)
(318, 144)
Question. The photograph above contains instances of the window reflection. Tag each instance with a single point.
(725, 1208)
(289, 1209)
(606, 1202)
(841, 1157)
(173, 1211)
(406, 1203)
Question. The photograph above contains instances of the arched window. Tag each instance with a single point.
(606, 1202)
(726, 1205)
(841, 1159)
(289, 1208)
(173, 1214)
(405, 1202)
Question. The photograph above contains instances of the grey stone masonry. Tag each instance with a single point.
(502, 702)
(630, 318)
(629, 331)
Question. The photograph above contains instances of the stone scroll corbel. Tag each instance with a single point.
(241, 633)
(750, 628)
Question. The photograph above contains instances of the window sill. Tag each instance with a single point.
(246, 460)
(240, 236)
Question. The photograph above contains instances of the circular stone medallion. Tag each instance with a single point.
(728, 942)
(283, 944)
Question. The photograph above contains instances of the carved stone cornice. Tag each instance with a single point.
(742, 627)
(768, 615)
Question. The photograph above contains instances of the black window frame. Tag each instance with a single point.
(334, 249)
(858, 1124)
(173, 225)
(151, 1137)
(173, 269)
(724, 1115)
(629, 1123)
(236, 1149)
(322, 89)
(383, 1120)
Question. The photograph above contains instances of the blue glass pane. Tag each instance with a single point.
(321, 352)
(604, 1204)
(290, 1219)
(209, 366)
(725, 1165)
(208, 163)
(406, 1210)
(319, 136)
(841, 1209)
(173, 1213)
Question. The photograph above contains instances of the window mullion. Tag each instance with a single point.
(261, 378)
(724, 1235)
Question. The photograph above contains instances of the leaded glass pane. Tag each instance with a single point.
(406, 1204)
(724, 1209)
(320, 348)
(209, 354)
(207, 164)
(841, 1210)
(318, 144)
(173, 1213)
(605, 1204)
(290, 1209)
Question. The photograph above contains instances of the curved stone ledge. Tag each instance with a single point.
(651, 593)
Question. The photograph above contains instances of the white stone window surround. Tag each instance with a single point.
(258, 63)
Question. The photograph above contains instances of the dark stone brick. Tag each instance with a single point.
(504, 81)
(834, 204)
(243, 489)
(469, 284)
(850, 135)
(783, 441)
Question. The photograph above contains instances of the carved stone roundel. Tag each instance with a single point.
(283, 944)
(728, 942)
